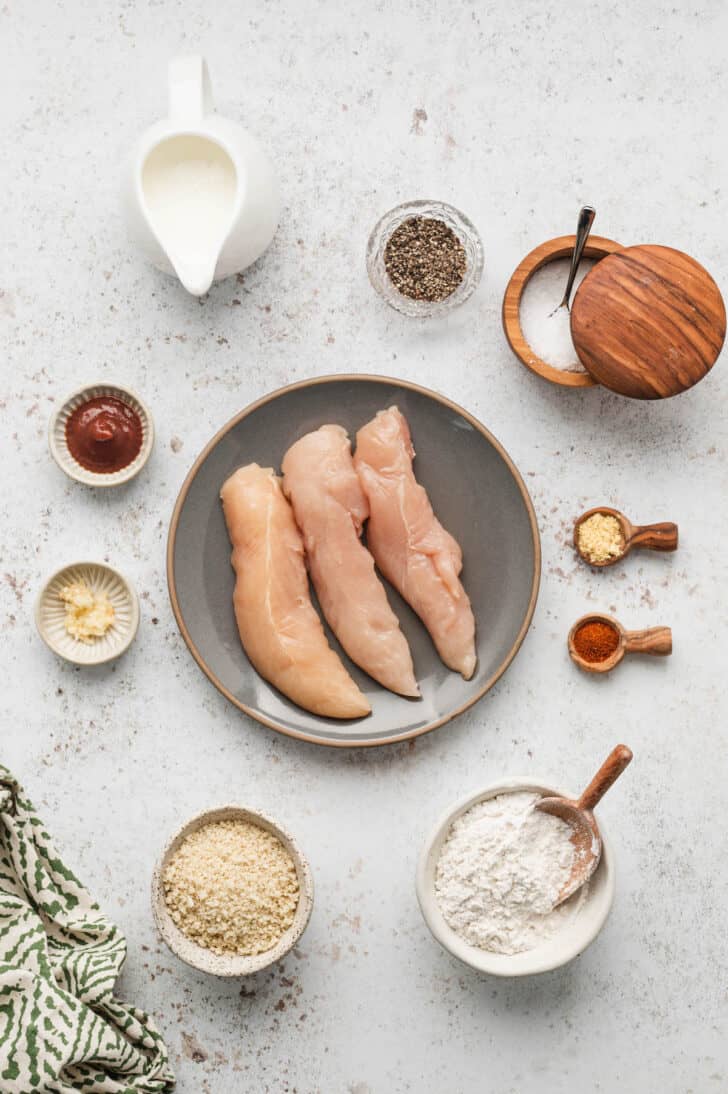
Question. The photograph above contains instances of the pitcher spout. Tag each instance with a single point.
(197, 279)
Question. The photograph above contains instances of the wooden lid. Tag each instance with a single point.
(648, 322)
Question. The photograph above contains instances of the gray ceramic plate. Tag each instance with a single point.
(476, 492)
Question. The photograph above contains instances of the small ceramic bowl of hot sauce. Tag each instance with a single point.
(101, 435)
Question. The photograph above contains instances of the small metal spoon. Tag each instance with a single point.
(579, 815)
(583, 227)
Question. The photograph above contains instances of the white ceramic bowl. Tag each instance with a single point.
(59, 448)
(577, 934)
(50, 614)
(230, 965)
(463, 228)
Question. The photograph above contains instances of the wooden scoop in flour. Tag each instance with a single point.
(578, 815)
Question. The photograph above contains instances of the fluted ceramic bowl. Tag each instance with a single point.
(59, 447)
(50, 614)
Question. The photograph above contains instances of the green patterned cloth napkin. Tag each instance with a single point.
(61, 1030)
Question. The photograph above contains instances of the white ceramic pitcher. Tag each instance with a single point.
(202, 200)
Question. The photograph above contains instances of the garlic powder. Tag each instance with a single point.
(88, 615)
(600, 537)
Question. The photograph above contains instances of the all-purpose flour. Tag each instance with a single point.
(500, 871)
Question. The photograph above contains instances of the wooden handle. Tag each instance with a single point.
(656, 641)
(605, 777)
(655, 537)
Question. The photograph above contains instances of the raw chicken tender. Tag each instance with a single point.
(279, 628)
(409, 544)
(330, 507)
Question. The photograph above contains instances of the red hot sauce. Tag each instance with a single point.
(104, 434)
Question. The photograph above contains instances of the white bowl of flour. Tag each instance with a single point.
(486, 877)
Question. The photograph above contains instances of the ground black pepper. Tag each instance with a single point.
(424, 259)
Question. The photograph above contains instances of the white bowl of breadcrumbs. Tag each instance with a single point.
(232, 892)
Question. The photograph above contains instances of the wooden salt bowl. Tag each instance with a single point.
(647, 322)
(597, 247)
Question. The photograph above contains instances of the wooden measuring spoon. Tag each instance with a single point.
(652, 537)
(579, 815)
(656, 641)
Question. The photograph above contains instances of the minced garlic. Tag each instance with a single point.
(88, 615)
(600, 537)
(232, 887)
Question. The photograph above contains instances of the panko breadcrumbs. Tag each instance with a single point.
(232, 887)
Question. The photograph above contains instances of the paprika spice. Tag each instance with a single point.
(596, 641)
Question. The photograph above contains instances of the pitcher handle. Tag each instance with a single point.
(190, 93)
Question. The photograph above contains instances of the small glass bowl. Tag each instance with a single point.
(463, 228)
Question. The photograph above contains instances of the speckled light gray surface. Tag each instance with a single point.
(362, 107)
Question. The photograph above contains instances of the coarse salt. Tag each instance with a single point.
(548, 331)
